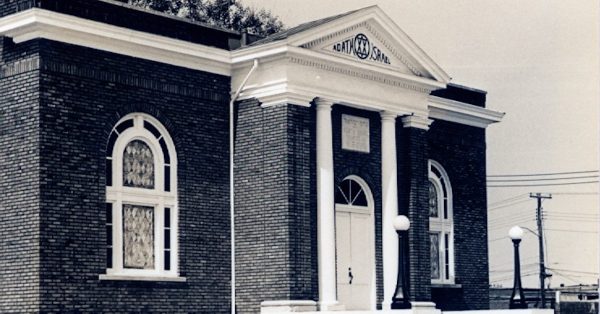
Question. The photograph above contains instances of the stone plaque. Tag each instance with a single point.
(355, 133)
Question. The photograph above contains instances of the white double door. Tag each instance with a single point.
(355, 259)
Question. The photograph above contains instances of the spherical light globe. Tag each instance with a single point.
(401, 223)
(515, 233)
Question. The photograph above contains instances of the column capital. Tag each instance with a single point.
(418, 122)
(388, 116)
(323, 103)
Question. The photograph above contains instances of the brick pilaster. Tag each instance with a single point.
(413, 200)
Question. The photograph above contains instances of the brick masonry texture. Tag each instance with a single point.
(275, 205)
(460, 150)
(19, 179)
(413, 202)
(82, 94)
(364, 165)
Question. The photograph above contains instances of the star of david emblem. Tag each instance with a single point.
(362, 46)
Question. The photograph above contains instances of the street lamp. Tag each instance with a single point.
(517, 298)
(400, 299)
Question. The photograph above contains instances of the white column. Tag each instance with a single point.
(325, 206)
(389, 207)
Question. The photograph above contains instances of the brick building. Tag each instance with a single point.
(115, 165)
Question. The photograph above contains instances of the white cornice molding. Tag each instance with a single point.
(323, 32)
(393, 30)
(365, 71)
(281, 92)
(287, 97)
(463, 113)
(330, 63)
(417, 122)
(39, 23)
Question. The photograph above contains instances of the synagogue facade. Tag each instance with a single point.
(129, 185)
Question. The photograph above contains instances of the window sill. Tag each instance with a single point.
(446, 286)
(141, 278)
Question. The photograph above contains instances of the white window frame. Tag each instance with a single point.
(158, 198)
(443, 225)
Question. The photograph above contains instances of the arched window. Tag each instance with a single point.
(141, 199)
(441, 226)
(350, 192)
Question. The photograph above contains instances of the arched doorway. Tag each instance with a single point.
(355, 245)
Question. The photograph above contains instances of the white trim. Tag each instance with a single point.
(287, 306)
(375, 14)
(415, 121)
(364, 210)
(441, 224)
(286, 97)
(463, 113)
(39, 23)
(157, 198)
(141, 278)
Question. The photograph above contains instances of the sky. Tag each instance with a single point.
(539, 62)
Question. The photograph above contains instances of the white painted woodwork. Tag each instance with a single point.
(354, 244)
(389, 185)
(325, 206)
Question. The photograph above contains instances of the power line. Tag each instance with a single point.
(508, 205)
(511, 269)
(510, 222)
(566, 277)
(503, 217)
(558, 212)
(574, 231)
(540, 174)
(574, 271)
(575, 219)
(510, 199)
(507, 277)
(543, 179)
(545, 184)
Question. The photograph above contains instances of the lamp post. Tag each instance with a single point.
(400, 299)
(517, 298)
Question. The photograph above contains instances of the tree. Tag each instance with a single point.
(229, 14)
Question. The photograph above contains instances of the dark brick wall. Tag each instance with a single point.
(275, 205)
(84, 92)
(19, 177)
(8, 7)
(413, 201)
(365, 165)
(460, 150)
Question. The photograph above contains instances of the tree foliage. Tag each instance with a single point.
(229, 14)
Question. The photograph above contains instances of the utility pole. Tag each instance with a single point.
(539, 197)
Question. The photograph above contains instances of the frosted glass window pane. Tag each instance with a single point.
(433, 200)
(138, 236)
(138, 165)
(435, 255)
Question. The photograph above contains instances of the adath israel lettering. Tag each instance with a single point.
(362, 48)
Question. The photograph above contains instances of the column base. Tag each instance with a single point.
(424, 308)
(287, 306)
(331, 307)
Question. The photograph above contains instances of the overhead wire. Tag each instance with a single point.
(515, 197)
(544, 179)
(540, 174)
(545, 184)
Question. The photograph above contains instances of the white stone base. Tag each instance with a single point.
(287, 306)
(417, 308)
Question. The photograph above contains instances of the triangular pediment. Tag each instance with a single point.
(368, 36)
(364, 44)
